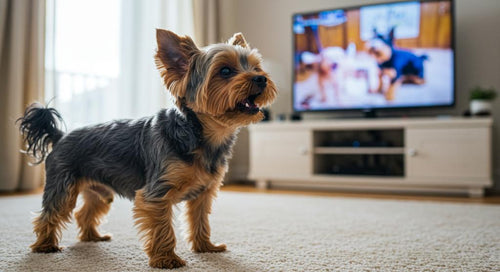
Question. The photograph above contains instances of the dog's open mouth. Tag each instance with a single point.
(248, 105)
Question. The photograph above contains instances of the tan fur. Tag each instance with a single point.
(390, 94)
(217, 97)
(173, 71)
(221, 93)
(154, 220)
(185, 177)
(224, 96)
(48, 225)
(197, 216)
(238, 39)
(216, 131)
(413, 79)
(97, 202)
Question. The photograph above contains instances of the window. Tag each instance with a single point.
(99, 57)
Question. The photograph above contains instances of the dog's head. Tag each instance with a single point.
(380, 46)
(225, 80)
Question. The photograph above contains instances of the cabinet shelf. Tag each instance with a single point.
(359, 150)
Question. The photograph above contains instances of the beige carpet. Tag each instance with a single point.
(282, 233)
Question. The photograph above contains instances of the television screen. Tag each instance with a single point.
(378, 56)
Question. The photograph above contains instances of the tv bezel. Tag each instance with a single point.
(388, 108)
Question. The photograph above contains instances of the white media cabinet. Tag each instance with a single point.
(446, 155)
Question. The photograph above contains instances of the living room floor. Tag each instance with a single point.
(250, 188)
(283, 230)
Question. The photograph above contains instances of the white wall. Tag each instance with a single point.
(266, 26)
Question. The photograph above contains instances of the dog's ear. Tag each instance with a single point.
(174, 52)
(238, 39)
(390, 37)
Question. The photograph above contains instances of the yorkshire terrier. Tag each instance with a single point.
(397, 65)
(179, 154)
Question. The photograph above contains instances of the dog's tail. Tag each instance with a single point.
(40, 126)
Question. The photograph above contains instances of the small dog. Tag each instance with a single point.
(177, 155)
(397, 65)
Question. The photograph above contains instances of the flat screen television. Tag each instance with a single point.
(394, 55)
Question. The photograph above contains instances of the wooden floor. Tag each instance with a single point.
(19, 193)
(249, 188)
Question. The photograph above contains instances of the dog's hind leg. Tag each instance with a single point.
(414, 79)
(59, 199)
(97, 202)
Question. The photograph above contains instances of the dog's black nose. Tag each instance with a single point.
(261, 81)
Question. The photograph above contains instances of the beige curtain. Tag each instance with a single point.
(22, 24)
(206, 21)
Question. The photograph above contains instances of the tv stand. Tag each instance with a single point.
(398, 154)
(369, 113)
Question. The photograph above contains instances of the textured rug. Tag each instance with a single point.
(266, 232)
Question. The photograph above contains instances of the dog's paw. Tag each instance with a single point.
(171, 261)
(95, 238)
(209, 248)
(46, 249)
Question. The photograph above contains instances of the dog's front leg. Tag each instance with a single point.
(390, 94)
(154, 220)
(199, 229)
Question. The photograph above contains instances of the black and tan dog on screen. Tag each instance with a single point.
(399, 66)
(177, 155)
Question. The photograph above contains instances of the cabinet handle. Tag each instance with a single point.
(303, 151)
(412, 152)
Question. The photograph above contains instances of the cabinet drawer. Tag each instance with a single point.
(281, 155)
(448, 153)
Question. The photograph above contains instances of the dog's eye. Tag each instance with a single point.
(257, 69)
(226, 72)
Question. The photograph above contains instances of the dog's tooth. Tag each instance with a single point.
(246, 105)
